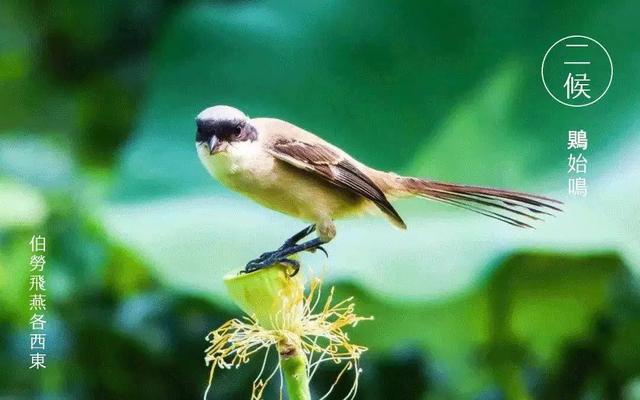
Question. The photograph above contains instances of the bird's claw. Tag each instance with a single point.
(268, 259)
(322, 249)
(294, 264)
(289, 248)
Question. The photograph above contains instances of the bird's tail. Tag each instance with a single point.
(504, 205)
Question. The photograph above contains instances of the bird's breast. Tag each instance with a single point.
(242, 167)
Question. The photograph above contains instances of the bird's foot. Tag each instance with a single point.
(289, 243)
(270, 254)
(293, 240)
(282, 254)
(271, 258)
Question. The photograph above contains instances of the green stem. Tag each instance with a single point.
(294, 371)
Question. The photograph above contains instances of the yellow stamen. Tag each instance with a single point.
(281, 315)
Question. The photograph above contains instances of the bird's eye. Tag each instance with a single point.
(237, 130)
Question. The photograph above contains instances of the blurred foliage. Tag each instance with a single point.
(556, 325)
(98, 101)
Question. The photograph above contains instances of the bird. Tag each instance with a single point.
(290, 170)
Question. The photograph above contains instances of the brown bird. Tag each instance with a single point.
(290, 170)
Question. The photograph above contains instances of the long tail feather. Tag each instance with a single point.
(504, 205)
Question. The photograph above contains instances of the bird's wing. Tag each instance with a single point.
(325, 162)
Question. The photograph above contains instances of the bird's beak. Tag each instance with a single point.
(214, 144)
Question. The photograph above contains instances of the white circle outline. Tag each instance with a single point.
(545, 83)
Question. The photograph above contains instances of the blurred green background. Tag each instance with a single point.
(97, 106)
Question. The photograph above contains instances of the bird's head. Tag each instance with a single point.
(220, 126)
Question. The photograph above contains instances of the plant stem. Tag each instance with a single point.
(294, 371)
